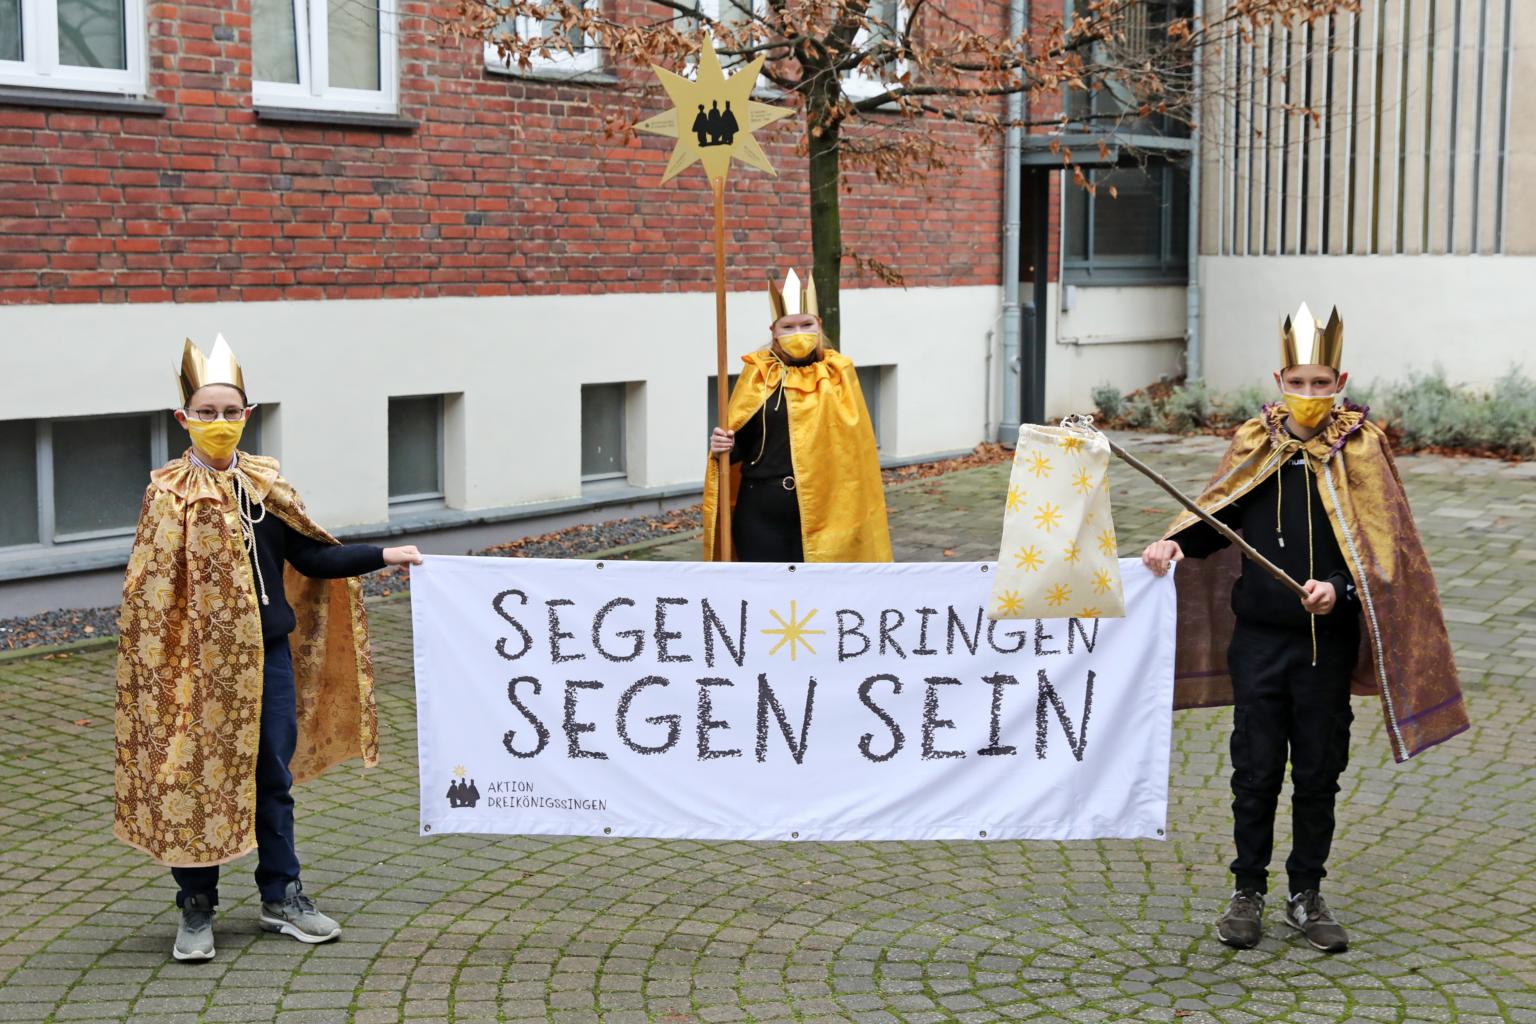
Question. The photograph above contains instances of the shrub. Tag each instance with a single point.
(1429, 411)
(1106, 397)
(1140, 411)
(1425, 411)
(1245, 403)
(1188, 407)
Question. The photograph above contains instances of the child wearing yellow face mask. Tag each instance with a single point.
(805, 473)
(1311, 484)
(243, 662)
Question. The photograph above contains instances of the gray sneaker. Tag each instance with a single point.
(1242, 926)
(296, 915)
(194, 936)
(1308, 914)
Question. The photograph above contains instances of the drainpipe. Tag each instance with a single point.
(1013, 146)
(1194, 358)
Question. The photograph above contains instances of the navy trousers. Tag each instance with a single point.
(277, 862)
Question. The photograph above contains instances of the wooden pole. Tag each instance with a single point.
(1210, 520)
(723, 551)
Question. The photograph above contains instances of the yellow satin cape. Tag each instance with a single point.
(832, 450)
(189, 667)
(1405, 655)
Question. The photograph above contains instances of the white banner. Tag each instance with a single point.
(813, 702)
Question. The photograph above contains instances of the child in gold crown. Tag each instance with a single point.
(243, 664)
(1311, 484)
(804, 484)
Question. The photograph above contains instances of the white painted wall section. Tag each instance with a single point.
(1473, 315)
(512, 368)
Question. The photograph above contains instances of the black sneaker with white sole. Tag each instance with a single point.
(1242, 925)
(1307, 913)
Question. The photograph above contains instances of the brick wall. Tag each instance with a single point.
(506, 186)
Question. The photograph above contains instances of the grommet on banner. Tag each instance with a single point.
(607, 831)
(599, 565)
(426, 828)
(794, 835)
(1159, 831)
(986, 568)
(982, 833)
(791, 568)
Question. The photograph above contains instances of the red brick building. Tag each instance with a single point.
(457, 301)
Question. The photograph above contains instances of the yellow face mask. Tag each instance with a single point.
(218, 439)
(1309, 410)
(800, 344)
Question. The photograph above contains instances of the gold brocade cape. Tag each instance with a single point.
(832, 450)
(1405, 654)
(190, 661)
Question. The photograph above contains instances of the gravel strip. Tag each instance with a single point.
(58, 627)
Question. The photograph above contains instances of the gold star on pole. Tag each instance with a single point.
(713, 118)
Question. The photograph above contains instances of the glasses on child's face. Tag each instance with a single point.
(233, 414)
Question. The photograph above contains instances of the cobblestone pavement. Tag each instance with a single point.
(1434, 870)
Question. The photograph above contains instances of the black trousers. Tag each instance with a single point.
(765, 524)
(1287, 708)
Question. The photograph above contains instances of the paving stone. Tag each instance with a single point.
(1433, 868)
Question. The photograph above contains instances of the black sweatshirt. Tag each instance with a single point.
(775, 463)
(277, 542)
(1258, 597)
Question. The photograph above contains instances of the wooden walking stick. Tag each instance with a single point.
(718, 133)
(1210, 520)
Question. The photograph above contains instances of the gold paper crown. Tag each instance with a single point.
(1304, 341)
(792, 300)
(218, 367)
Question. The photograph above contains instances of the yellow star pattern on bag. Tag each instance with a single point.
(1048, 516)
(1009, 602)
(1028, 558)
(1058, 547)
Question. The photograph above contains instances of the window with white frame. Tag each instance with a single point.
(583, 57)
(872, 382)
(92, 45)
(737, 16)
(887, 19)
(416, 450)
(712, 407)
(82, 478)
(603, 433)
(325, 54)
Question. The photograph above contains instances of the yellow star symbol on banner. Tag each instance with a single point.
(713, 118)
(793, 631)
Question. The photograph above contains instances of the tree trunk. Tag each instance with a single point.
(826, 218)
